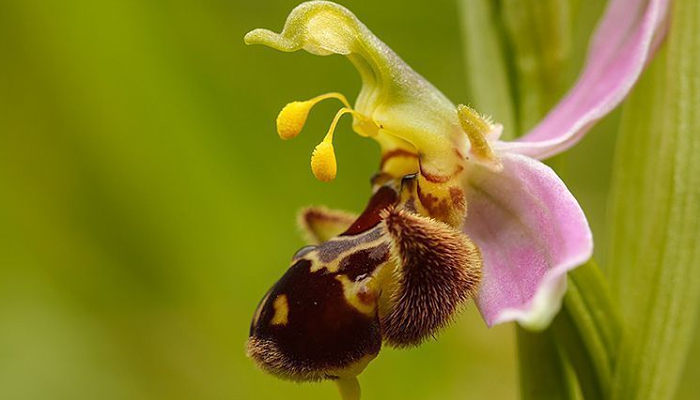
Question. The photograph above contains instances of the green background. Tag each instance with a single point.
(147, 204)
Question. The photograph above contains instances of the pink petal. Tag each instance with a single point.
(624, 42)
(531, 231)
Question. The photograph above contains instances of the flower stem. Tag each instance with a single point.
(349, 388)
(584, 338)
(589, 330)
(544, 373)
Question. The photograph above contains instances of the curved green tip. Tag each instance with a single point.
(270, 39)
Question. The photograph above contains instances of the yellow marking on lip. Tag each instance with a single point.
(361, 295)
(281, 307)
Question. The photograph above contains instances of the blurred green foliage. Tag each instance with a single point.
(146, 203)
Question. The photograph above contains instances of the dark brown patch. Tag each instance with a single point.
(258, 310)
(382, 199)
(323, 333)
(364, 262)
(440, 268)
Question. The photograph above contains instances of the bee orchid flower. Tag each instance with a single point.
(455, 213)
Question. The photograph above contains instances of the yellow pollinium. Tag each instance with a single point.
(323, 163)
(291, 121)
(292, 118)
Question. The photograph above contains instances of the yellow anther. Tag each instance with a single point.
(477, 127)
(292, 118)
(323, 163)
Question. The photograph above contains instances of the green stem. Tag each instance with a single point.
(349, 388)
(543, 367)
(589, 330)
